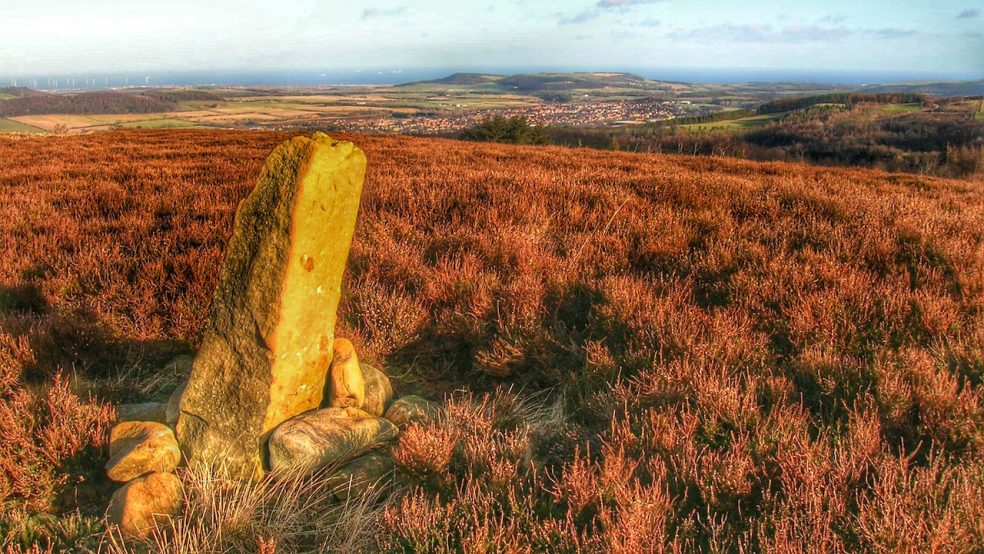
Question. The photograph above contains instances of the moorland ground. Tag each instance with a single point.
(679, 353)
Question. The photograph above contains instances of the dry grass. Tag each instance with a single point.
(749, 357)
(288, 515)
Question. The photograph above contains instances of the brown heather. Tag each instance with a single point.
(705, 355)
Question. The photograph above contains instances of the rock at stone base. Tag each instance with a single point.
(347, 384)
(173, 409)
(146, 411)
(357, 477)
(180, 366)
(379, 391)
(268, 342)
(311, 441)
(409, 409)
(146, 503)
(140, 447)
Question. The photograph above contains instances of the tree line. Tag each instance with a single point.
(848, 98)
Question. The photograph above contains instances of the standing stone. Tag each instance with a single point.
(268, 344)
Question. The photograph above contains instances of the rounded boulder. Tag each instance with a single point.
(140, 447)
(145, 504)
(304, 444)
(410, 409)
(379, 391)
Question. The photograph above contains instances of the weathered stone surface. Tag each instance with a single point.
(379, 391)
(173, 408)
(345, 375)
(146, 411)
(268, 344)
(409, 409)
(145, 504)
(310, 441)
(140, 447)
(357, 477)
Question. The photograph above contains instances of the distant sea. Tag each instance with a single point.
(102, 80)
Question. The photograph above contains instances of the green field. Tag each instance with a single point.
(980, 112)
(742, 124)
(161, 124)
(900, 108)
(8, 126)
(5, 96)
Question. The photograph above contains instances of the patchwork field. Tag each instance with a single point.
(657, 353)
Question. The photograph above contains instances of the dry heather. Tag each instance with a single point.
(724, 356)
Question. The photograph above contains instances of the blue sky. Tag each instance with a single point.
(939, 37)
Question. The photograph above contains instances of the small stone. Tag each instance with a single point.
(359, 476)
(140, 447)
(145, 504)
(146, 411)
(173, 409)
(311, 441)
(409, 409)
(379, 391)
(348, 387)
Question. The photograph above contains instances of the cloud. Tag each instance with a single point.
(971, 13)
(835, 19)
(605, 4)
(600, 8)
(372, 13)
(764, 33)
(891, 32)
(787, 34)
(586, 15)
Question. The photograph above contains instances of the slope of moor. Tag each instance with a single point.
(735, 354)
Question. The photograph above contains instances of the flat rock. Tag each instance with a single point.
(359, 476)
(145, 411)
(347, 384)
(180, 366)
(140, 447)
(311, 441)
(145, 504)
(379, 391)
(270, 335)
(409, 409)
(173, 408)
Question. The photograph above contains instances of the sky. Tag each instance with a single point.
(932, 38)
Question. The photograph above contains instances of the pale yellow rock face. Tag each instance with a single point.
(268, 344)
(140, 447)
(145, 504)
(348, 388)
